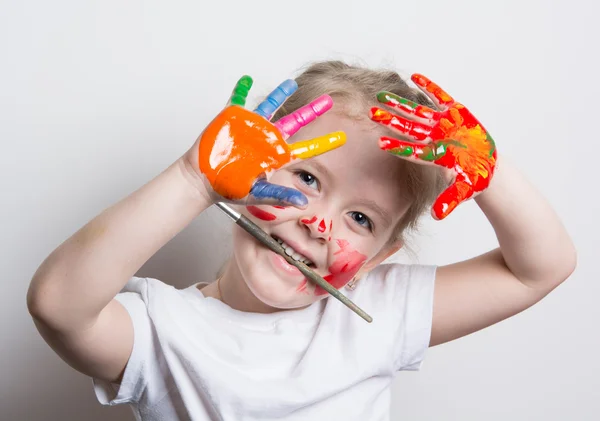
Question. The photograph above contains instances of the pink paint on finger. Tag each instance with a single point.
(291, 123)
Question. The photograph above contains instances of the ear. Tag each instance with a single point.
(376, 260)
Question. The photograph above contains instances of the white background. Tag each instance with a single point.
(97, 97)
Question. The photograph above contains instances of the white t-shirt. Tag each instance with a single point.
(195, 358)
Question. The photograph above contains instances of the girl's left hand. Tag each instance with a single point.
(451, 138)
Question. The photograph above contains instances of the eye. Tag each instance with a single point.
(308, 179)
(362, 220)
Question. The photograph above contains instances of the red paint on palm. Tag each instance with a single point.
(455, 140)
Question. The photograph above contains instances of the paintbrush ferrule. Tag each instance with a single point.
(233, 214)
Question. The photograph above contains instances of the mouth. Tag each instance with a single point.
(290, 251)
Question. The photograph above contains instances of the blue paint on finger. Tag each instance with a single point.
(276, 98)
(264, 191)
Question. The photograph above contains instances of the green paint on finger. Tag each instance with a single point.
(240, 92)
(403, 151)
(389, 98)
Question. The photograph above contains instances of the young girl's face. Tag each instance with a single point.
(354, 203)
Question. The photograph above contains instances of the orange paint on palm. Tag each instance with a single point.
(238, 146)
(474, 153)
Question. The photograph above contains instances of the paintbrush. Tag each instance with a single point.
(254, 230)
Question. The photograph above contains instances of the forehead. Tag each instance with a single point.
(359, 167)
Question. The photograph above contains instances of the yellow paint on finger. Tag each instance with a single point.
(317, 146)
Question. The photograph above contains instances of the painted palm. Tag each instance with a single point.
(239, 148)
(450, 137)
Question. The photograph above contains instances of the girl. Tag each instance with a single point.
(261, 342)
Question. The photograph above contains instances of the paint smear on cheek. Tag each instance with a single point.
(236, 147)
(261, 214)
(347, 263)
(278, 207)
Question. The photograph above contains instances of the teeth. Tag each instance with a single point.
(293, 253)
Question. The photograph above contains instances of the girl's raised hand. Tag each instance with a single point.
(451, 138)
(240, 147)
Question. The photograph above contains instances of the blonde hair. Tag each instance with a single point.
(355, 89)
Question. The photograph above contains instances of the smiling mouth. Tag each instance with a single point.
(289, 250)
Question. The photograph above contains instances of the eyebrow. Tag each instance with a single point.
(377, 209)
(320, 168)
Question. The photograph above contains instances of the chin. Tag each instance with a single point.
(274, 290)
(274, 284)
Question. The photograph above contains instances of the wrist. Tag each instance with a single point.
(195, 182)
(496, 183)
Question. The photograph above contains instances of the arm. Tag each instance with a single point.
(536, 254)
(71, 294)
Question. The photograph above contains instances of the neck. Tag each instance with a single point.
(233, 291)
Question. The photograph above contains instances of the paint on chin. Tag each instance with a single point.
(347, 263)
(261, 214)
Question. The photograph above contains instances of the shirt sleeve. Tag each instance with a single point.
(415, 291)
(135, 376)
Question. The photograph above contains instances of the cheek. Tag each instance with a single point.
(261, 213)
(347, 263)
(267, 212)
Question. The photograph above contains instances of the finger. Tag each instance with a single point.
(264, 192)
(276, 99)
(413, 129)
(421, 152)
(240, 92)
(454, 195)
(293, 122)
(407, 107)
(440, 97)
(317, 146)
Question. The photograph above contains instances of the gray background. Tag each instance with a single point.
(97, 97)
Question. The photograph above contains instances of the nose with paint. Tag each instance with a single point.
(318, 227)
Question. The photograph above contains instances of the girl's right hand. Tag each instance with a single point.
(239, 148)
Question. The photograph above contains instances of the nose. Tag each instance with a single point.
(318, 226)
